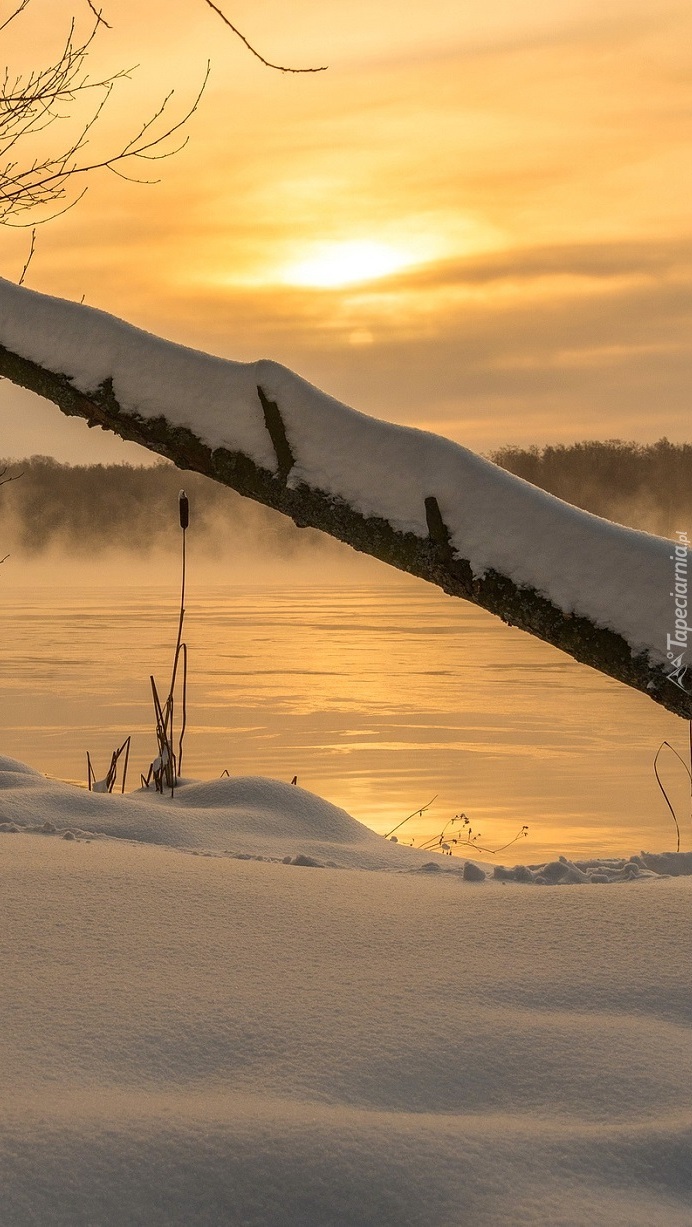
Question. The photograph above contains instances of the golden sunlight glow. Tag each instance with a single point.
(346, 263)
(474, 189)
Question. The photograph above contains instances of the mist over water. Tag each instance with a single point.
(309, 659)
(120, 523)
(102, 513)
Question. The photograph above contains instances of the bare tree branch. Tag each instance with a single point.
(31, 103)
(100, 20)
(4, 481)
(28, 106)
(267, 63)
(20, 9)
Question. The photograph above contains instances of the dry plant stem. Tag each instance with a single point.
(179, 646)
(418, 812)
(437, 841)
(667, 745)
(521, 834)
(163, 717)
(430, 558)
(183, 722)
(112, 773)
(181, 619)
(127, 759)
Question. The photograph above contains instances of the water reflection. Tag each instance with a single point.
(376, 697)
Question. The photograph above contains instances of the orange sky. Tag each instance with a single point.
(476, 221)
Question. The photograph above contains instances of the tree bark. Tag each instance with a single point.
(431, 559)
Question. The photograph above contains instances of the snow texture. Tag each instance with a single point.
(213, 1040)
(617, 578)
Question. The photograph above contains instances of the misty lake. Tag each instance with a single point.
(377, 697)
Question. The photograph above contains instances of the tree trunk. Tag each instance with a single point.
(431, 559)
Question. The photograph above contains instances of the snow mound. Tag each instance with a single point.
(246, 816)
(254, 818)
(13, 767)
(261, 807)
(564, 872)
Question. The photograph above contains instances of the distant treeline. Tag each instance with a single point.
(85, 508)
(642, 485)
(81, 509)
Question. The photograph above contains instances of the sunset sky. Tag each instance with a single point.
(476, 221)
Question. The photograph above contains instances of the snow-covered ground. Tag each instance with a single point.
(243, 1007)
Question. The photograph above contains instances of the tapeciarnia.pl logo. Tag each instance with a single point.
(676, 644)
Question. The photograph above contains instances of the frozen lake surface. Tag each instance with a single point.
(376, 697)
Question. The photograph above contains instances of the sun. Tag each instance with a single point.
(330, 265)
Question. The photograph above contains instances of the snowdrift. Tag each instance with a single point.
(253, 817)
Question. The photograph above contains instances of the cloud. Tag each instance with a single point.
(603, 261)
(547, 152)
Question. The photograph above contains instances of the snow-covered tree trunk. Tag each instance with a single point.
(601, 593)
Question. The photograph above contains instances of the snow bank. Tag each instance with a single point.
(211, 1041)
(248, 817)
(617, 578)
(252, 817)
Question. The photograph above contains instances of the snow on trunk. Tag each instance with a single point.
(601, 592)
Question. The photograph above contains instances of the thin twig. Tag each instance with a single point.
(443, 840)
(27, 262)
(420, 812)
(14, 477)
(521, 834)
(51, 217)
(20, 9)
(100, 20)
(30, 104)
(267, 63)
